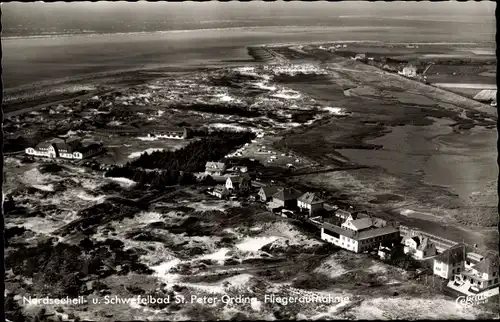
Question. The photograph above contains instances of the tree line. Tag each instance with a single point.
(164, 168)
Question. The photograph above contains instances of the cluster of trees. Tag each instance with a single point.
(220, 109)
(166, 168)
(59, 270)
(193, 157)
(155, 179)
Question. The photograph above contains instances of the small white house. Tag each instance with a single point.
(220, 191)
(410, 71)
(419, 247)
(240, 183)
(215, 168)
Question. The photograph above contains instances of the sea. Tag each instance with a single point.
(34, 56)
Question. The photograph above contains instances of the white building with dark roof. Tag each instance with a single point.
(65, 149)
(359, 241)
(419, 247)
(239, 183)
(311, 202)
(215, 168)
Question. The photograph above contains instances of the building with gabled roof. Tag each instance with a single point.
(286, 197)
(65, 149)
(266, 192)
(239, 183)
(345, 215)
(358, 224)
(359, 241)
(215, 168)
(310, 202)
(220, 191)
(419, 247)
(450, 261)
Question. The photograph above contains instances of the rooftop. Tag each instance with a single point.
(215, 165)
(488, 265)
(310, 198)
(362, 235)
(362, 223)
(287, 194)
(270, 190)
(454, 254)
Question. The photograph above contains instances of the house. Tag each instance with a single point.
(357, 225)
(360, 57)
(266, 192)
(220, 191)
(483, 275)
(286, 197)
(389, 250)
(345, 215)
(475, 273)
(239, 183)
(450, 262)
(419, 247)
(358, 241)
(88, 150)
(171, 133)
(410, 71)
(311, 202)
(66, 149)
(215, 168)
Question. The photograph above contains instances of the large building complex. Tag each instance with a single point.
(65, 149)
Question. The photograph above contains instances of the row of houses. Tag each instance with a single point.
(275, 196)
(65, 149)
(468, 269)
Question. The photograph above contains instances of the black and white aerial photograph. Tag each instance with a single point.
(287, 160)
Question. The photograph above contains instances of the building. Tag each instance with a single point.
(65, 149)
(266, 192)
(87, 151)
(286, 197)
(410, 71)
(310, 202)
(359, 241)
(345, 215)
(240, 183)
(450, 262)
(481, 276)
(360, 57)
(389, 250)
(469, 271)
(220, 191)
(171, 133)
(358, 224)
(419, 247)
(215, 168)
